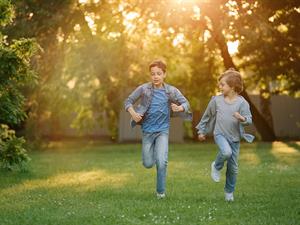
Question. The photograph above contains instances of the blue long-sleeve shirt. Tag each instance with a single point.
(145, 93)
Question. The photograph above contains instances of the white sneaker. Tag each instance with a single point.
(229, 197)
(215, 174)
(160, 195)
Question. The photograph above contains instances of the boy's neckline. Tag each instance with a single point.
(232, 101)
(158, 88)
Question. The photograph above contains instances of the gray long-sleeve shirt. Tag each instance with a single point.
(218, 117)
(226, 123)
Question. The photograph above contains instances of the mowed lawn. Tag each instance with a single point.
(88, 183)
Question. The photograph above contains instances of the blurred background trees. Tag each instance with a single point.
(96, 51)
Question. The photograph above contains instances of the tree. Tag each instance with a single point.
(15, 73)
(98, 50)
(93, 68)
(215, 18)
(270, 47)
(215, 14)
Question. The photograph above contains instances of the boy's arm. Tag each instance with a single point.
(209, 112)
(132, 98)
(135, 116)
(246, 113)
(184, 104)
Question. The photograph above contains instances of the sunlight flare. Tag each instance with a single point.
(233, 47)
(90, 19)
(179, 39)
(71, 83)
(129, 22)
(197, 12)
(83, 1)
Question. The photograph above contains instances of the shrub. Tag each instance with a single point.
(12, 151)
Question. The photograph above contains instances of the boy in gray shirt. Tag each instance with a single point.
(225, 116)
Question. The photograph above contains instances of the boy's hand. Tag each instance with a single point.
(239, 117)
(201, 137)
(136, 117)
(177, 108)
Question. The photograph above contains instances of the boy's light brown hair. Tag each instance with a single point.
(233, 79)
(158, 63)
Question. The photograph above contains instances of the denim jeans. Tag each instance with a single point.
(228, 151)
(155, 151)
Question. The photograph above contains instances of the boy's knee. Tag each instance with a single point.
(227, 154)
(148, 164)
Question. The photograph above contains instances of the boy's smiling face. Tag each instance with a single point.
(224, 87)
(157, 76)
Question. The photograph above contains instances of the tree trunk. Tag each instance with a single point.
(265, 105)
(267, 133)
(196, 118)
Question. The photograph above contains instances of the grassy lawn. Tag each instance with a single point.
(106, 184)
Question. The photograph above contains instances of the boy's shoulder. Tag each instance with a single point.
(170, 88)
(145, 85)
(242, 99)
(217, 97)
(168, 85)
(220, 96)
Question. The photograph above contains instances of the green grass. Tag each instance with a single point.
(106, 184)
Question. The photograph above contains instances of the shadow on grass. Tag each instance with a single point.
(11, 178)
(264, 152)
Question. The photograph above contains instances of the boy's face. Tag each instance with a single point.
(224, 87)
(157, 76)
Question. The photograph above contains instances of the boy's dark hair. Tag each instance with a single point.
(233, 79)
(158, 63)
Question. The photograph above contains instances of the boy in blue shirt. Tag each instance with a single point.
(158, 101)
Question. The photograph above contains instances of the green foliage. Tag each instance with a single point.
(12, 151)
(6, 12)
(268, 32)
(94, 53)
(12, 102)
(15, 74)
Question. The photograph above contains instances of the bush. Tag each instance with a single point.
(12, 151)
(15, 74)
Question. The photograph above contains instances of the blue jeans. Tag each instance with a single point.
(228, 151)
(155, 151)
